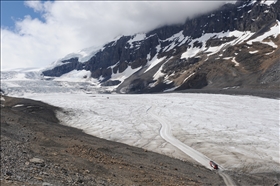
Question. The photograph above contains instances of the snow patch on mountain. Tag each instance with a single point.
(193, 51)
(268, 2)
(273, 32)
(83, 55)
(135, 38)
(153, 62)
(240, 37)
(158, 74)
(235, 62)
(125, 74)
(189, 77)
(175, 40)
(253, 52)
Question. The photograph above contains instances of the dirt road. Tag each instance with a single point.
(165, 133)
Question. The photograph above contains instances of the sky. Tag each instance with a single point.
(35, 34)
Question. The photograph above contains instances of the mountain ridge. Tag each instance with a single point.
(216, 50)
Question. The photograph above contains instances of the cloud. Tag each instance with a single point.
(36, 5)
(67, 27)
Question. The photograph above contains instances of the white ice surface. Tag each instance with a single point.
(240, 133)
(34, 83)
(76, 76)
(21, 74)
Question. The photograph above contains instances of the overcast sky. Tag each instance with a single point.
(50, 30)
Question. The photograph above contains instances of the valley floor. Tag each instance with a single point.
(67, 156)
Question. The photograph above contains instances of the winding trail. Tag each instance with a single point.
(227, 179)
(165, 133)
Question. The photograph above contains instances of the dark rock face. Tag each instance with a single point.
(217, 42)
(166, 31)
(68, 66)
(196, 82)
(244, 16)
(128, 52)
(111, 83)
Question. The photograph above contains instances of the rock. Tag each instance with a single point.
(9, 174)
(80, 181)
(87, 171)
(36, 160)
(38, 178)
(46, 184)
(111, 83)
(42, 165)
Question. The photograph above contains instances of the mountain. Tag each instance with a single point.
(236, 46)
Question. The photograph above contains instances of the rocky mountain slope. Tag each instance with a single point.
(236, 46)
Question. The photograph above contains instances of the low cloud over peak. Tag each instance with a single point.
(71, 26)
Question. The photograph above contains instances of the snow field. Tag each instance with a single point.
(240, 133)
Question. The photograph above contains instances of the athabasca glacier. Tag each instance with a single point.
(240, 133)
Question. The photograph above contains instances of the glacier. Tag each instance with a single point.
(241, 133)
